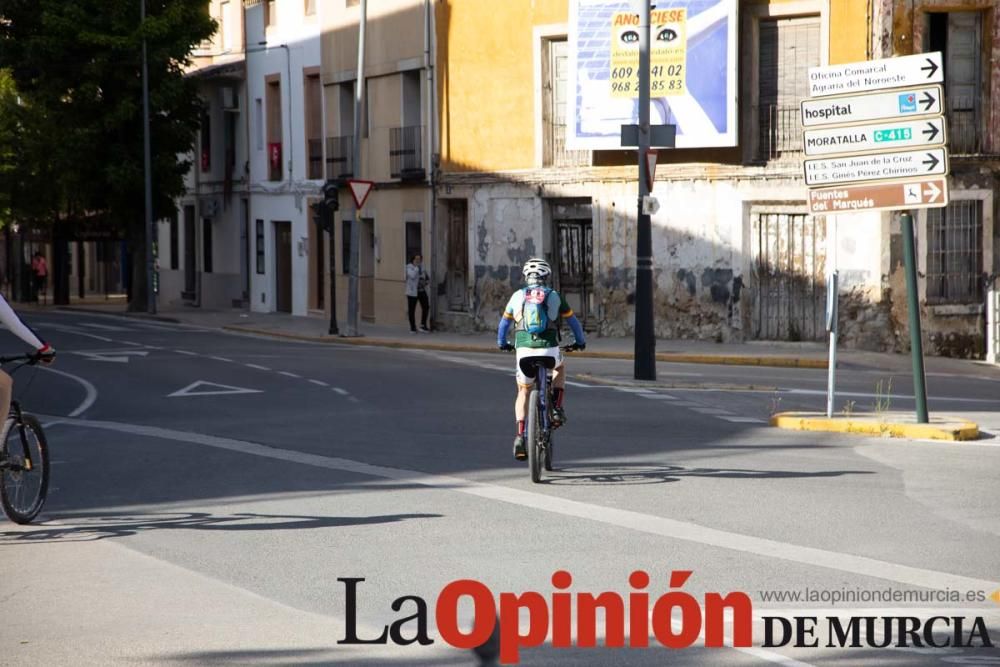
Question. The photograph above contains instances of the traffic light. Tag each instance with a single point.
(331, 197)
(324, 209)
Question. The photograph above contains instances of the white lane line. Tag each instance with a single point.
(858, 394)
(571, 383)
(342, 392)
(91, 390)
(257, 366)
(744, 420)
(102, 327)
(353, 399)
(621, 518)
(187, 352)
(221, 359)
(320, 383)
(660, 397)
(711, 411)
(633, 390)
(128, 342)
(287, 374)
(153, 347)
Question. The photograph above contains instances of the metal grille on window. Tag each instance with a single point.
(554, 111)
(955, 252)
(788, 48)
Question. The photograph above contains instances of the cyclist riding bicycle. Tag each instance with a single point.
(535, 311)
(43, 351)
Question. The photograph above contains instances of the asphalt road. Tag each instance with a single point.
(209, 489)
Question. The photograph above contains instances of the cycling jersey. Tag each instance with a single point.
(10, 320)
(556, 306)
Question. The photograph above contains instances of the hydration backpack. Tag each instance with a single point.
(534, 311)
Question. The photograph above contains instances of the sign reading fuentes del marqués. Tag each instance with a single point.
(876, 135)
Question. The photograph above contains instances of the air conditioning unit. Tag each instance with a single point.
(230, 100)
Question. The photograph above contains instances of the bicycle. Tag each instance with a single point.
(24, 458)
(539, 427)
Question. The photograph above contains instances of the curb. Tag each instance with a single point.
(673, 357)
(939, 429)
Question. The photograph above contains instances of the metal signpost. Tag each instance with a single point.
(878, 132)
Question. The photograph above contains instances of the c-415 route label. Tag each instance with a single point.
(859, 168)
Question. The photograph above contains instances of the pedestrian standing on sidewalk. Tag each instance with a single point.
(40, 273)
(416, 291)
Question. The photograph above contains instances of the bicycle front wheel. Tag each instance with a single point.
(24, 475)
(534, 434)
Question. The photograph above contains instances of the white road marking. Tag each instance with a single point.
(621, 518)
(257, 366)
(571, 383)
(91, 390)
(221, 359)
(633, 390)
(116, 356)
(222, 389)
(744, 420)
(661, 397)
(687, 404)
(342, 392)
(102, 327)
(320, 383)
(287, 374)
(128, 342)
(711, 411)
(353, 399)
(187, 352)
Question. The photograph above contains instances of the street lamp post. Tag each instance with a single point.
(147, 160)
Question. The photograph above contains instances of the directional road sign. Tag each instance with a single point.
(888, 195)
(853, 169)
(889, 135)
(907, 103)
(912, 70)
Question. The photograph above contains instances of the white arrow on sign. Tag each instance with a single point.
(908, 103)
(360, 190)
(931, 192)
(876, 136)
(117, 356)
(876, 74)
(195, 389)
(881, 166)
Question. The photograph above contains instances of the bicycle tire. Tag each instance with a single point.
(11, 481)
(533, 435)
(548, 454)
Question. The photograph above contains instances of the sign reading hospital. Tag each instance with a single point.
(922, 68)
(668, 53)
(692, 72)
(907, 103)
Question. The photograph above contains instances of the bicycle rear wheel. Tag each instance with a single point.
(24, 475)
(533, 438)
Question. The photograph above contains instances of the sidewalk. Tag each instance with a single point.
(757, 353)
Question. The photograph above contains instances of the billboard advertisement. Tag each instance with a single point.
(692, 72)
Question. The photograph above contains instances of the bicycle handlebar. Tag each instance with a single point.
(30, 359)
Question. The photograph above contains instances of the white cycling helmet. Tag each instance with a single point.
(536, 269)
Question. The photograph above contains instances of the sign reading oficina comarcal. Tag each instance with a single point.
(906, 103)
(888, 135)
(922, 68)
(860, 168)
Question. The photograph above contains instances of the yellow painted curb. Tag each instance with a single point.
(424, 344)
(938, 429)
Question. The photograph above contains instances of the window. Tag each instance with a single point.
(259, 245)
(958, 35)
(274, 152)
(206, 245)
(345, 246)
(788, 47)
(226, 25)
(258, 118)
(310, 7)
(405, 155)
(175, 244)
(555, 66)
(955, 252)
(414, 242)
(270, 13)
(313, 127)
(206, 141)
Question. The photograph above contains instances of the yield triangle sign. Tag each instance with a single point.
(202, 388)
(360, 190)
(650, 168)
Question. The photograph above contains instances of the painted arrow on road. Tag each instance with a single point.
(203, 388)
(116, 356)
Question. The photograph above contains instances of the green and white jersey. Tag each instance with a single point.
(555, 305)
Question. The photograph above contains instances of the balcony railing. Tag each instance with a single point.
(315, 157)
(780, 135)
(405, 156)
(965, 135)
(340, 157)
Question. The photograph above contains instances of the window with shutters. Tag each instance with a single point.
(786, 49)
(955, 252)
(958, 35)
(555, 84)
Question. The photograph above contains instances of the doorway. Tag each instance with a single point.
(366, 269)
(572, 222)
(190, 253)
(458, 253)
(283, 266)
